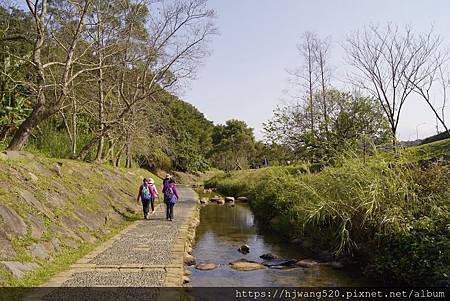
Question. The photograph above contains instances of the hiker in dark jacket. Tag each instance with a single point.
(146, 193)
(170, 197)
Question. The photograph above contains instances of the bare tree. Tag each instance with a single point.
(321, 48)
(54, 77)
(390, 64)
(307, 49)
(433, 75)
(105, 17)
(312, 76)
(177, 36)
(445, 83)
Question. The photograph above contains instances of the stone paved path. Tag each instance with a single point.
(149, 253)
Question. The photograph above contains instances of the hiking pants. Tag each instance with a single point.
(145, 204)
(169, 210)
(152, 203)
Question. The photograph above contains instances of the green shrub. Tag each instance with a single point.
(381, 209)
(418, 257)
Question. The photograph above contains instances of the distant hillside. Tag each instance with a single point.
(410, 143)
(438, 137)
(433, 150)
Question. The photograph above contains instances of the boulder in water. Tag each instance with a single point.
(268, 256)
(244, 249)
(189, 260)
(279, 262)
(246, 265)
(214, 198)
(206, 266)
(229, 199)
(307, 263)
(218, 200)
(242, 199)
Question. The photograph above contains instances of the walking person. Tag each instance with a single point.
(151, 182)
(168, 176)
(170, 197)
(146, 193)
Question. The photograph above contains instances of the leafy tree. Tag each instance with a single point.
(233, 145)
(353, 122)
(16, 35)
(274, 153)
(109, 58)
(189, 134)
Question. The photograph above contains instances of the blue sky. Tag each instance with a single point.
(245, 76)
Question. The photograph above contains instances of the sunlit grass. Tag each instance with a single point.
(361, 207)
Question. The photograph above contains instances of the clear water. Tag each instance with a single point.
(223, 229)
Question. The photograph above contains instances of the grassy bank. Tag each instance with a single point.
(54, 211)
(393, 214)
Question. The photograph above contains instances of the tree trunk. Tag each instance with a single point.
(101, 120)
(86, 148)
(74, 128)
(128, 161)
(74, 123)
(394, 138)
(119, 155)
(324, 98)
(101, 95)
(26, 128)
(128, 150)
(109, 156)
(311, 96)
(37, 115)
(441, 120)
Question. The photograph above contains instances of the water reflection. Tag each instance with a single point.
(223, 229)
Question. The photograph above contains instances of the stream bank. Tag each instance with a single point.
(221, 232)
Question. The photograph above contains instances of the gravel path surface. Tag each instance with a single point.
(149, 244)
(152, 241)
(104, 294)
(117, 278)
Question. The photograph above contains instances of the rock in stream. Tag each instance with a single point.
(246, 265)
(244, 249)
(279, 263)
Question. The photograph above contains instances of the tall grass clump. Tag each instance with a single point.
(391, 214)
(55, 143)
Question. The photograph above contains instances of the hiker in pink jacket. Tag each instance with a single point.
(146, 194)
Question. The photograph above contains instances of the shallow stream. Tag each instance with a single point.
(223, 229)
